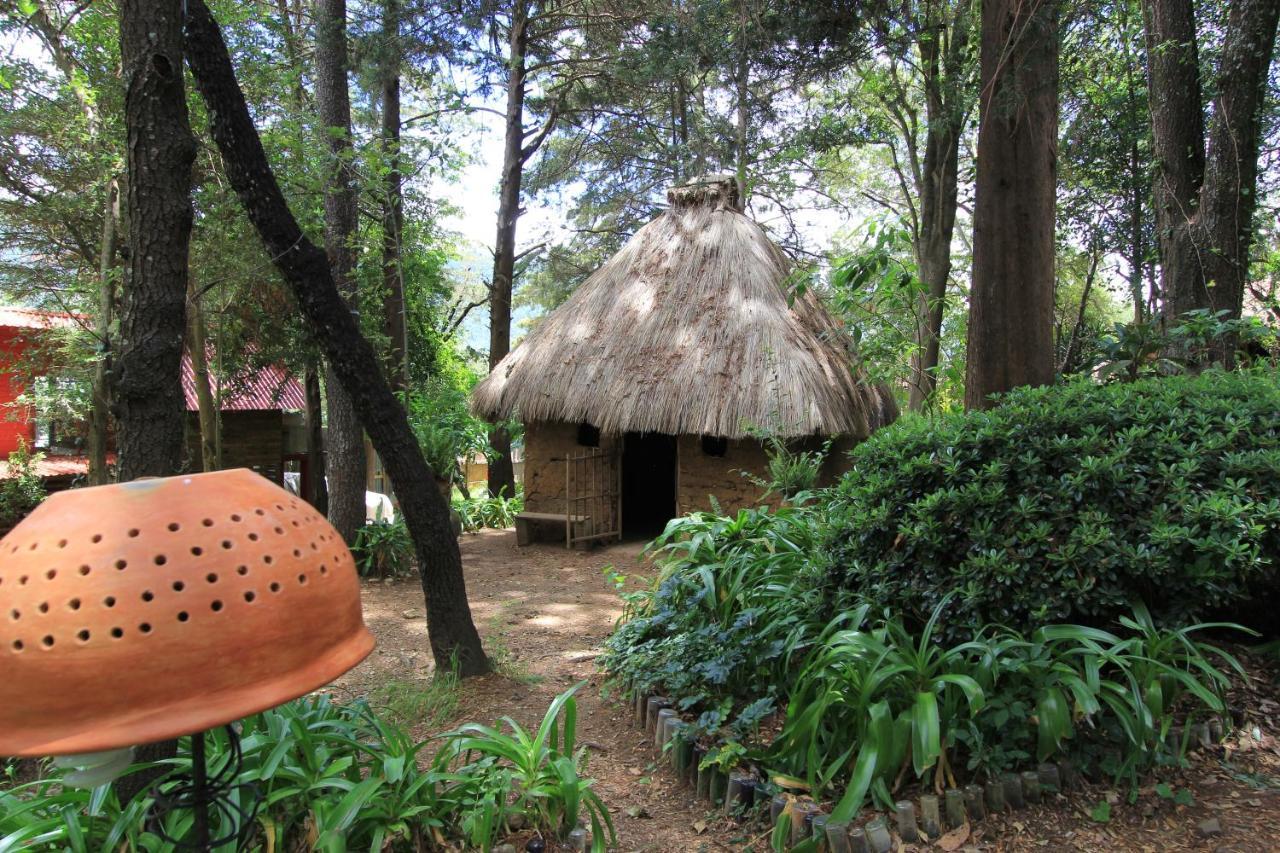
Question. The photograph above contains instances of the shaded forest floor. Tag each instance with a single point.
(545, 612)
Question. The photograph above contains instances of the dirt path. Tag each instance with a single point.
(544, 613)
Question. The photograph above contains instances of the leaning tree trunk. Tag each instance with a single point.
(1011, 303)
(159, 152)
(305, 268)
(346, 463)
(502, 479)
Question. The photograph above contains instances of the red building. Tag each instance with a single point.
(261, 411)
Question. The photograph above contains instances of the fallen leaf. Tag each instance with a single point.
(789, 782)
(954, 839)
(699, 826)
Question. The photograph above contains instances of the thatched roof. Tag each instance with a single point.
(687, 330)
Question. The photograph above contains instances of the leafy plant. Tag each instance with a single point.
(333, 777)
(874, 699)
(533, 773)
(732, 606)
(495, 512)
(791, 472)
(22, 490)
(384, 549)
(1137, 350)
(1067, 503)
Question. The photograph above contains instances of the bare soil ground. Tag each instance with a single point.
(545, 611)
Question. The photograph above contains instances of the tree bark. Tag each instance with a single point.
(346, 457)
(206, 405)
(501, 472)
(100, 412)
(1206, 195)
(306, 269)
(317, 493)
(393, 203)
(1177, 126)
(159, 153)
(946, 104)
(1011, 309)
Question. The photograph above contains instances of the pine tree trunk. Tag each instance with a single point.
(318, 492)
(159, 152)
(346, 462)
(306, 269)
(393, 203)
(100, 413)
(501, 472)
(206, 405)
(1011, 303)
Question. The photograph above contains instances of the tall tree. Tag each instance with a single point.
(40, 20)
(929, 66)
(160, 151)
(393, 200)
(1011, 301)
(454, 639)
(346, 463)
(1206, 185)
(524, 22)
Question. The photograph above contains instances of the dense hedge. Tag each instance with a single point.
(1065, 503)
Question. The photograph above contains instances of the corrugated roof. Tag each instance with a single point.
(270, 388)
(29, 318)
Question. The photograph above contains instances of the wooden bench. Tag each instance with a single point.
(526, 520)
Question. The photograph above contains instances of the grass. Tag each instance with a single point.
(412, 703)
(504, 660)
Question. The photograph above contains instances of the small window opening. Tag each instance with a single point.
(713, 445)
(588, 435)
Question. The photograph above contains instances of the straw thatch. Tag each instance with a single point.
(687, 330)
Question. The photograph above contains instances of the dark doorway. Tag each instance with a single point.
(648, 483)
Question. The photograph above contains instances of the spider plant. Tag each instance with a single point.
(541, 770)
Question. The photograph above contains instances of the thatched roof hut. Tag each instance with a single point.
(688, 331)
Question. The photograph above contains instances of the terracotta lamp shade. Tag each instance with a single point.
(147, 610)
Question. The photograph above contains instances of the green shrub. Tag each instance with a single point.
(498, 513)
(22, 490)
(384, 549)
(1068, 503)
(734, 602)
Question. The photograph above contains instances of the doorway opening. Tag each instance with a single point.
(648, 483)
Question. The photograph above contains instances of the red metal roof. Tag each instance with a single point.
(270, 388)
(56, 466)
(30, 318)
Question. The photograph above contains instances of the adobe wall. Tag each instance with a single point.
(701, 475)
(545, 447)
